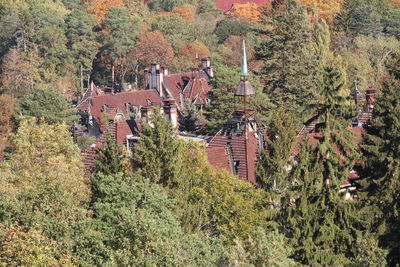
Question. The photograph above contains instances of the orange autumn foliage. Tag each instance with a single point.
(326, 9)
(395, 3)
(99, 8)
(194, 51)
(186, 13)
(152, 47)
(249, 12)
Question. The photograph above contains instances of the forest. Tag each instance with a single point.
(164, 204)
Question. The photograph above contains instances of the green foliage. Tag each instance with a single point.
(273, 163)
(81, 41)
(323, 226)
(109, 158)
(42, 183)
(175, 28)
(188, 118)
(168, 5)
(380, 150)
(29, 248)
(48, 106)
(227, 27)
(157, 155)
(289, 67)
(262, 249)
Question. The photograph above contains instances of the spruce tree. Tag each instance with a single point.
(109, 157)
(322, 224)
(381, 169)
(188, 118)
(289, 67)
(273, 163)
(158, 154)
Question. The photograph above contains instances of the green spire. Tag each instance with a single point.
(243, 71)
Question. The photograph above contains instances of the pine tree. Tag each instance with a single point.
(322, 224)
(47, 106)
(289, 67)
(381, 169)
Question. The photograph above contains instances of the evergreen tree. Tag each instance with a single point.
(118, 41)
(81, 42)
(322, 225)
(381, 169)
(188, 118)
(274, 161)
(47, 106)
(109, 158)
(289, 67)
(158, 154)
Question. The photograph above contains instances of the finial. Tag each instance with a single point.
(243, 71)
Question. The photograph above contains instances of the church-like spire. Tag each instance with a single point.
(243, 71)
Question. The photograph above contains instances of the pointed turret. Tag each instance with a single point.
(244, 88)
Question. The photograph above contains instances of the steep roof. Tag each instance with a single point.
(91, 92)
(193, 87)
(241, 154)
(142, 98)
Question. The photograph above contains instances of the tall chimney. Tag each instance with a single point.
(146, 78)
(153, 78)
(159, 80)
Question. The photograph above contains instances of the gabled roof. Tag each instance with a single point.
(91, 92)
(141, 98)
(194, 88)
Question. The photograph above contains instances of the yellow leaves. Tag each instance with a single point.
(194, 51)
(249, 12)
(186, 13)
(327, 9)
(99, 8)
(45, 156)
(30, 248)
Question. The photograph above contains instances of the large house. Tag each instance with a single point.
(167, 92)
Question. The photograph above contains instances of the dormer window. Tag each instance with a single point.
(149, 103)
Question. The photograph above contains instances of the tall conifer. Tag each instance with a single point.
(289, 67)
(381, 169)
(322, 224)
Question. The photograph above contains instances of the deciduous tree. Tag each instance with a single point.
(153, 47)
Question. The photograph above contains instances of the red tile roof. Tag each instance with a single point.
(194, 88)
(241, 153)
(91, 92)
(118, 101)
(218, 158)
(225, 5)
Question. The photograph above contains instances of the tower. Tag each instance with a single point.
(240, 139)
(244, 90)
